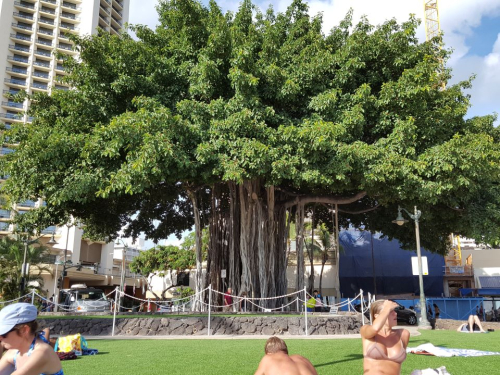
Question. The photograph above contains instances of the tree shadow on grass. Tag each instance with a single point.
(350, 357)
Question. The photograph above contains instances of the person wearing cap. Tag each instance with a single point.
(28, 352)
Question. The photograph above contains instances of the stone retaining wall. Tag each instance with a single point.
(238, 325)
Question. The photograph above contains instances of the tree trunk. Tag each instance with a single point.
(310, 253)
(299, 223)
(197, 305)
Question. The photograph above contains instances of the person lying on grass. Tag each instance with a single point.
(472, 325)
(278, 362)
(384, 348)
(28, 352)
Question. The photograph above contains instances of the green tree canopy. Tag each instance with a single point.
(253, 115)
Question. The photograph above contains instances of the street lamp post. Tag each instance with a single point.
(400, 220)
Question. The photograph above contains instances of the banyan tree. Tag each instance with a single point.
(242, 121)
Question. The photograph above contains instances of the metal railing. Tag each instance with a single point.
(24, 5)
(30, 28)
(18, 59)
(19, 48)
(25, 16)
(48, 10)
(46, 21)
(39, 86)
(41, 75)
(16, 70)
(12, 104)
(42, 64)
(42, 52)
(21, 37)
(46, 32)
(15, 81)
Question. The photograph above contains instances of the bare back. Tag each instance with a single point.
(282, 364)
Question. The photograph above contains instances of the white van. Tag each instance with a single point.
(85, 300)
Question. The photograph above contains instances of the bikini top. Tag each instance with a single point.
(40, 336)
(377, 352)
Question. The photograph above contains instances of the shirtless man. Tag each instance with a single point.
(278, 362)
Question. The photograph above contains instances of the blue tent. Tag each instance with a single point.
(368, 259)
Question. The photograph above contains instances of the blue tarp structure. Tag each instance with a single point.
(366, 255)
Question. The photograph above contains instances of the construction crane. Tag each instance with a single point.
(432, 27)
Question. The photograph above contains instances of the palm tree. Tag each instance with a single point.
(11, 261)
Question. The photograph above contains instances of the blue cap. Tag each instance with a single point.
(14, 314)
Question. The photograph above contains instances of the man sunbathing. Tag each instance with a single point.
(473, 325)
(278, 362)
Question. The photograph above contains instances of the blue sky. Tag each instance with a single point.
(471, 29)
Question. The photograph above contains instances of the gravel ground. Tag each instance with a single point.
(454, 324)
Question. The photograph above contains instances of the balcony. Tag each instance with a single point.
(70, 16)
(20, 59)
(6, 151)
(47, 10)
(23, 16)
(66, 4)
(119, 3)
(27, 203)
(59, 87)
(21, 37)
(41, 75)
(10, 92)
(24, 5)
(21, 26)
(4, 214)
(17, 70)
(4, 227)
(15, 81)
(67, 47)
(42, 64)
(103, 18)
(117, 11)
(60, 67)
(46, 21)
(43, 52)
(46, 31)
(49, 2)
(105, 11)
(69, 26)
(19, 48)
(39, 86)
(44, 42)
(117, 21)
(12, 104)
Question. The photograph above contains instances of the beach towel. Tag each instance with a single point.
(439, 351)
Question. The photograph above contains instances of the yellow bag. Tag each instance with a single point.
(70, 343)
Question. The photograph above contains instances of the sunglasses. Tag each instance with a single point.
(4, 336)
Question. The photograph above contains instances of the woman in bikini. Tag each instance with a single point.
(384, 348)
(28, 352)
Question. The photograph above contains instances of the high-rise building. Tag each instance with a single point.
(31, 31)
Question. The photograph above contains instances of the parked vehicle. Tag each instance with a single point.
(85, 300)
(404, 315)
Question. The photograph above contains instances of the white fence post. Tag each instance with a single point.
(33, 297)
(362, 309)
(209, 306)
(305, 310)
(114, 312)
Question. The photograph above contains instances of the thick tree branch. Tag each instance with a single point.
(305, 199)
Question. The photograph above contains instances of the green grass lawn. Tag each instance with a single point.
(218, 357)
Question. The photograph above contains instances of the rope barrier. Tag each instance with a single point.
(15, 299)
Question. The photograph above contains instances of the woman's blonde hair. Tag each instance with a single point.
(376, 308)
